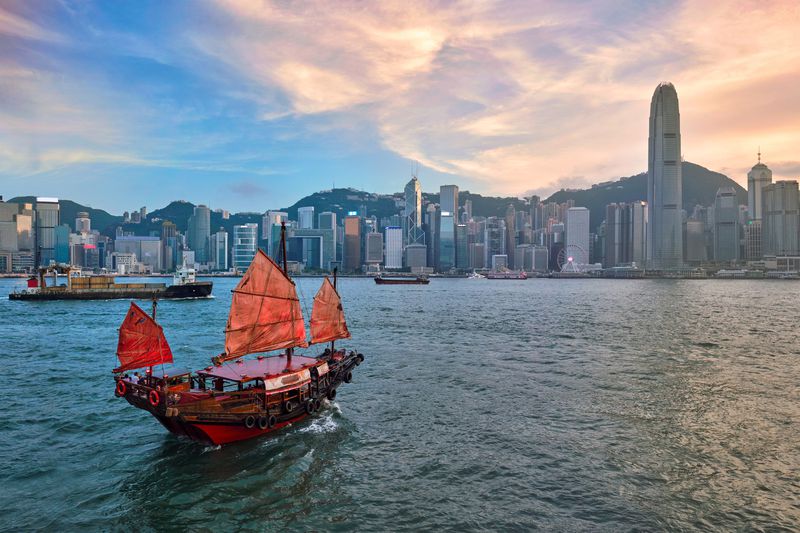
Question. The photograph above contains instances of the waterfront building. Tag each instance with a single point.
(577, 234)
(541, 258)
(726, 225)
(245, 245)
(219, 250)
(416, 256)
(477, 255)
(327, 221)
(494, 238)
(780, 219)
(462, 246)
(305, 250)
(664, 181)
(753, 250)
(305, 217)
(61, 245)
(351, 260)
(47, 218)
(523, 257)
(169, 241)
(393, 255)
(374, 248)
(324, 238)
(199, 231)
(759, 177)
(696, 251)
(499, 262)
(147, 250)
(124, 262)
(511, 232)
(447, 241)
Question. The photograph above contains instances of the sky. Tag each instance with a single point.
(250, 105)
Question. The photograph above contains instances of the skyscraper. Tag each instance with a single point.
(245, 241)
(199, 232)
(351, 260)
(511, 232)
(305, 217)
(83, 224)
(781, 219)
(576, 240)
(47, 218)
(664, 181)
(448, 199)
(726, 225)
(219, 249)
(394, 247)
(758, 177)
(412, 214)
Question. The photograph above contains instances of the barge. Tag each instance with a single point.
(105, 287)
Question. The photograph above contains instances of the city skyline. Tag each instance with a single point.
(101, 101)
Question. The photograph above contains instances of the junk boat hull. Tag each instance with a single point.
(186, 407)
(402, 281)
(198, 289)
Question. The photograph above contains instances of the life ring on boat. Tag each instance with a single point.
(348, 377)
(289, 406)
(317, 404)
(332, 394)
(263, 422)
(272, 420)
(121, 388)
(154, 398)
(249, 421)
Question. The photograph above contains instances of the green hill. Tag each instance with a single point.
(699, 187)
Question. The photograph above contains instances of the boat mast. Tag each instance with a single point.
(335, 270)
(155, 305)
(289, 351)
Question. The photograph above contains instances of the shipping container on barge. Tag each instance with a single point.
(77, 287)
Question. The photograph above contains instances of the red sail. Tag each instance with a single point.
(141, 341)
(265, 312)
(327, 317)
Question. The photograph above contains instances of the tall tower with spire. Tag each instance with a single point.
(664, 181)
(759, 177)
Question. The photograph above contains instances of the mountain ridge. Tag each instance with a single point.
(699, 187)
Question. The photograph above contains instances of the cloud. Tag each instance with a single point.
(246, 188)
(519, 94)
(509, 96)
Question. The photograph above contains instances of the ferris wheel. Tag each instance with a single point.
(571, 258)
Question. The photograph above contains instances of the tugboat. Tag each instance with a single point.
(235, 399)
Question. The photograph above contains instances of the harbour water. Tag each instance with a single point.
(557, 404)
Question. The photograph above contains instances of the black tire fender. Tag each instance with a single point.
(249, 421)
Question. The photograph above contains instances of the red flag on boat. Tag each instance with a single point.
(327, 316)
(265, 312)
(141, 341)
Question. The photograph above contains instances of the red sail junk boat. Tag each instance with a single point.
(236, 399)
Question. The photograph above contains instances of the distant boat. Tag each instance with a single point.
(235, 399)
(184, 285)
(507, 274)
(475, 275)
(401, 280)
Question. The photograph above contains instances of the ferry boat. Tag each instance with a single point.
(105, 287)
(401, 280)
(234, 399)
